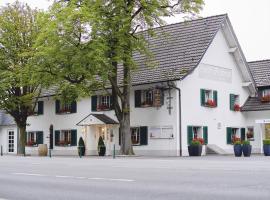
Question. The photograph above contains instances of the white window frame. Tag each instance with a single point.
(104, 100)
(266, 92)
(209, 95)
(135, 133)
(198, 130)
(253, 138)
(62, 136)
(147, 97)
(65, 106)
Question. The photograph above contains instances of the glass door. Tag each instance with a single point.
(11, 141)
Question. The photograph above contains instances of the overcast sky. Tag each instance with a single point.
(250, 19)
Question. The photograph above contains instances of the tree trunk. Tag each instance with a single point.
(126, 144)
(22, 140)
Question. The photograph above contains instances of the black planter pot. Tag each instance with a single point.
(266, 149)
(237, 150)
(247, 150)
(102, 151)
(195, 150)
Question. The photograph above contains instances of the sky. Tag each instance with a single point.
(250, 20)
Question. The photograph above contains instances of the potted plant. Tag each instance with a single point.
(101, 147)
(237, 147)
(81, 147)
(195, 148)
(246, 148)
(266, 147)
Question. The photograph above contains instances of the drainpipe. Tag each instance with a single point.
(170, 84)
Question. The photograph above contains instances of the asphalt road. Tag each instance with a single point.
(204, 178)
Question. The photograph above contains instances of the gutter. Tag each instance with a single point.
(172, 85)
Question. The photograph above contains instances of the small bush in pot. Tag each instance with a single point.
(237, 147)
(195, 147)
(246, 148)
(266, 147)
(81, 147)
(101, 147)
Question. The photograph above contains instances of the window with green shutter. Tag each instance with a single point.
(189, 134)
(205, 134)
(209, 98)
(66, 138)
(234, 102)
(65, 108)
(243, 134)
(229, 135)
(40, 107)
(34, 138)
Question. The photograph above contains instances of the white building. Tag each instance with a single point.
(199, 80)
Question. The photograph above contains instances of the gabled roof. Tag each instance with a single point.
(260, 71)
(6, 119)
(96, 119)
(255, 104)
(177, 49)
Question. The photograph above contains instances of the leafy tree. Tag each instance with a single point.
(115, 25)
(18, 86)
(111, 28)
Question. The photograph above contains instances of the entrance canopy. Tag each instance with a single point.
(96, 119)
(262, 121)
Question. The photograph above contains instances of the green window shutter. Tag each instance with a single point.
(202, 97)
(215, 97)
(229, 135)
(39, 137)
(243, 134)
(94, 103)
(143, 135)
(111, 102)
(232, 101)
(189, 134)
(74, 137)
(40, 105)
(205, 134)
(56, 137)
(137, 95)
(74, 107)
(57, 106)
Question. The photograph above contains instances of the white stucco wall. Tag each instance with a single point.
(219, 64)
(149, 116)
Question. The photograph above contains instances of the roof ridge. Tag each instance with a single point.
(192, 20)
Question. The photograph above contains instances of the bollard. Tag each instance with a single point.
(114, 151)
(50, 153)
(80, 151)
(1, 150)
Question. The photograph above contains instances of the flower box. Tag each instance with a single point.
(64, 111)
(64, 143)
(31, 144)
(265, 98)
(102, 107)
(210, 103)
(237, 107)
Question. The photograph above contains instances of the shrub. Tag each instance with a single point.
(82, 146)
(201, 140)
(266, 141)
(195, 143)
(246, 142)
(237, 142)
(100, 142)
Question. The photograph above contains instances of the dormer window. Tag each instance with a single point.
(234, 102)
(209, 98)
(265, 95)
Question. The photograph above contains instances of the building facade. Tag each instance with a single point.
(200, 87)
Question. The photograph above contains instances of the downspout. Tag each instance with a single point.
(172, 85)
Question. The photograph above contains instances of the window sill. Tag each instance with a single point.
(208, 106)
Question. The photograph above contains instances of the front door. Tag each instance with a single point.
(11, 136)
(267, 131)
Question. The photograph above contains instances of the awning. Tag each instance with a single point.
(96, 119)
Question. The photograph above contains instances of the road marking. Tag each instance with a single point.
(27, 174)
(76, 177)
